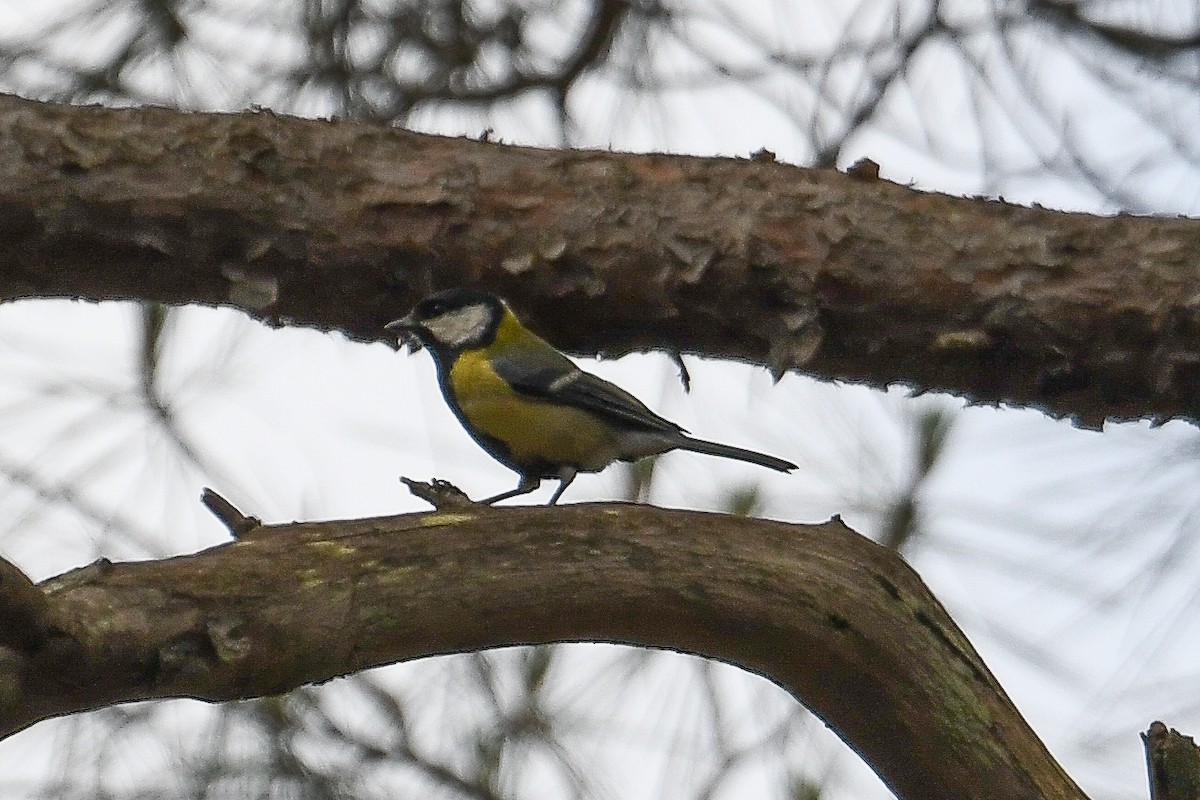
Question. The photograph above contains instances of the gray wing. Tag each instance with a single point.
(557, 379)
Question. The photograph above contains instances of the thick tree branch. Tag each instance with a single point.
(838, 621)
(343, 225)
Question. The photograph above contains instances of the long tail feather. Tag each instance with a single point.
(729, 451)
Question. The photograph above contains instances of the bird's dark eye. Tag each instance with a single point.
(431, 308)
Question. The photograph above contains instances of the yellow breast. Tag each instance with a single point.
(536, 433)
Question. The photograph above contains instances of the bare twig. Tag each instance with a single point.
(238, 523)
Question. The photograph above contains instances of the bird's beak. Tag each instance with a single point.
(401, 326)
(405, 330)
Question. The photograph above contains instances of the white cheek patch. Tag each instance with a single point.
(459, 327)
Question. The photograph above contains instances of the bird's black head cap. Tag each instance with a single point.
(453, 320)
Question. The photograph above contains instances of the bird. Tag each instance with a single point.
(529, 406)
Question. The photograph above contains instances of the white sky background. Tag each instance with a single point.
(1067, 556)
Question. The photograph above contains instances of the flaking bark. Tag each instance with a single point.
(342, 226)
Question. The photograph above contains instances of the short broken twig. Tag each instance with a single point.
(238, 523)
(439, 493)
(1173, 762)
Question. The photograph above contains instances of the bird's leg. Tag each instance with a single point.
(565, 476)
(526, 486)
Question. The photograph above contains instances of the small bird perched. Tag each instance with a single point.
(529, 406)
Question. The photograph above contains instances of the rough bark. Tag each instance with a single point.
(341, 226)
(1173, 763)
(841, 623)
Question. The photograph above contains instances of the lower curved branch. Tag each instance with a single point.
(839, 622)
